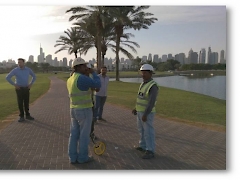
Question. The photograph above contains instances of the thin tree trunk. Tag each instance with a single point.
(102, 59)
(99, 53)
(117, 57)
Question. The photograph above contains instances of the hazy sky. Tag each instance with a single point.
(178, 29)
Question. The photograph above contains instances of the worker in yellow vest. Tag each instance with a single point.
(145, 111)
(79, 89)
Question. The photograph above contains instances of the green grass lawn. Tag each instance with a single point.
(171, 103)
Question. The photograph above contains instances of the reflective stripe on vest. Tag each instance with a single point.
(143, 96)
(78, 98)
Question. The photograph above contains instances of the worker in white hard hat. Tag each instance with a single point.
(79, 89)
(145, 111)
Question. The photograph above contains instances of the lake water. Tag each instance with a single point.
(214, 86)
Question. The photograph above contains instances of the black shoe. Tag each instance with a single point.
(29, 117)
(140, 149)
(148, 155)
(74, 162)
(90, 159)
(101, 119)
(21, 119)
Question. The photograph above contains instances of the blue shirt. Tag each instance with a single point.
(21, 76)
(84, 82)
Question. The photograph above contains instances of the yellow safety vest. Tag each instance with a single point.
(143, 96)
(78, 98)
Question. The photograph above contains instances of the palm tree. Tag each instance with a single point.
(71, 42)
(108, 37)
(128, 17)
(96, 12)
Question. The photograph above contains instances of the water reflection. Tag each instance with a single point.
(214, 86)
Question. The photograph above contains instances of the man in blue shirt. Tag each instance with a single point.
(22, 87)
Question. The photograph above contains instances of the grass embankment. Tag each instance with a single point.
(173, 104)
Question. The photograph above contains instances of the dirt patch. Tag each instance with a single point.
(8, 120)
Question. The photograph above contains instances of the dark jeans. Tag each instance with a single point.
(98, 108)
(23, 100)
(92, 126)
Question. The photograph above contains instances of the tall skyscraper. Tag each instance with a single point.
(64, 62)
(70, 63)
(222, 60)
(214, 58)
(49, 59)
(155, 58)
(192, 57)
(150, 57)
(202, 56)
(41, 56)
(170, 56)
(30, 59)
(164, 58)
(144, 58)
(209, 56)
(181, 58)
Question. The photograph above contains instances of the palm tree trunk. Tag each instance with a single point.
(117, 57)
(99, 52)
(75, 54)
(102, 59)
(99, 40)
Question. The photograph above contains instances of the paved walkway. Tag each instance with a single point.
(42, 144)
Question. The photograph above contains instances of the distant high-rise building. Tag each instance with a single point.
(214, 58)
(176, 57)
(150, 57)
(192, 57)
(60, 63)
(164, 58)
(155, 58)
(30, 59)
(189, 57)
(202, 56)
(70, 63)
(41, 56)
(170, 56)
(222, 60)
(209, 56)
(55, 62)
(144, 58)
(64, 62)
(181, 58)
(49, 59)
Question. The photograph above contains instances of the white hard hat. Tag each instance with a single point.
(146, 67)
(78, 61)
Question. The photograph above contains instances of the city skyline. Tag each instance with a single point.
(178, 29)
(202, 57)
